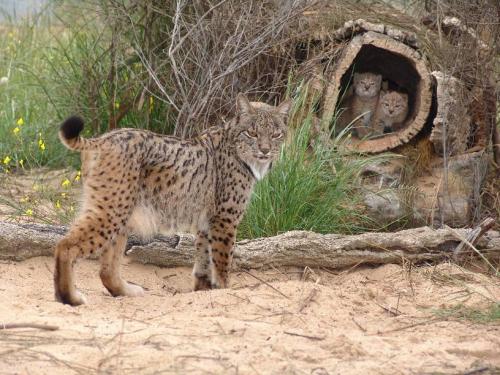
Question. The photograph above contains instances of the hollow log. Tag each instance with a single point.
(443, 146)
(297, 248)
(386, 54)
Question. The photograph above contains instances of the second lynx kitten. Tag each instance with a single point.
(392, 109)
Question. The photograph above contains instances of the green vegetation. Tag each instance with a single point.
(490, 314)
(309, 188)
(52, 70)
(27, 113)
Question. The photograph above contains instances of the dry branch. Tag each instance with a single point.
(22, 241)
(474, 236)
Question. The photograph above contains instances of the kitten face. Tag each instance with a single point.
(261, 131)
(367, 85)
(393, 103)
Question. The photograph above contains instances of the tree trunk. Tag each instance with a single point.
(22, 241)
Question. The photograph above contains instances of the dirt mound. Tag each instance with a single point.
(378, 321)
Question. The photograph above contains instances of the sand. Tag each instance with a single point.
(293, 321)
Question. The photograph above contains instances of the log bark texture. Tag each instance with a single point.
(297, 248)
(451, 129)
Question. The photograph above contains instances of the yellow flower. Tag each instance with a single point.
(63, 195)
(78, 176)
(71, 208)
(65, 183)
(21, 163)
(24, 199)
(20, 121)
(117, 105)
(29, 212)
(16, 130)
(41, 144)
(7, 160)
(58, 204)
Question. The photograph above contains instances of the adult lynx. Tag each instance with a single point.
(146, 182)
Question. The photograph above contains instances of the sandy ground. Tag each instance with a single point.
(291, 321)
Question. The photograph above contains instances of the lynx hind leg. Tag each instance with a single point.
(201, 270)
(222, 235)
(85, 237)
(110, 270)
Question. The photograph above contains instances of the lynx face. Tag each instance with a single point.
(367, 85)
(262, 130)
(393, 104)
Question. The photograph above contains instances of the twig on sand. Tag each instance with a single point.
(45, 327)
(317, 338)
(432, 320)
(476, 371)
(359, 325)
(266, 283)
(192, 356)
(308, 299)
(390, 310)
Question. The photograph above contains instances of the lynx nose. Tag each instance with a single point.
(265, 150)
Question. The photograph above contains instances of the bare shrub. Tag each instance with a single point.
(199, 54)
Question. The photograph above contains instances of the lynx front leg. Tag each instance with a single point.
(201, 269)
(222, 237)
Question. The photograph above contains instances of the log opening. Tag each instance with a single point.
(402, 67)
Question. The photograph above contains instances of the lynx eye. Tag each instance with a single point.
(277, 135)
(250, 133)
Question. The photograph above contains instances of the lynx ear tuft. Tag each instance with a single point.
(243, 105)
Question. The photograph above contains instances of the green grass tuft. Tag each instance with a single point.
(490, 314)
(309, 188)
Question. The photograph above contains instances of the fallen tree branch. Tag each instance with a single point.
(296, 248)
(474, 236)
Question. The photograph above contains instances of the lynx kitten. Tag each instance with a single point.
(146, 182)
(363, 102)
(392, 109)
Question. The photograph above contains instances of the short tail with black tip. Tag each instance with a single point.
(69, 134)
